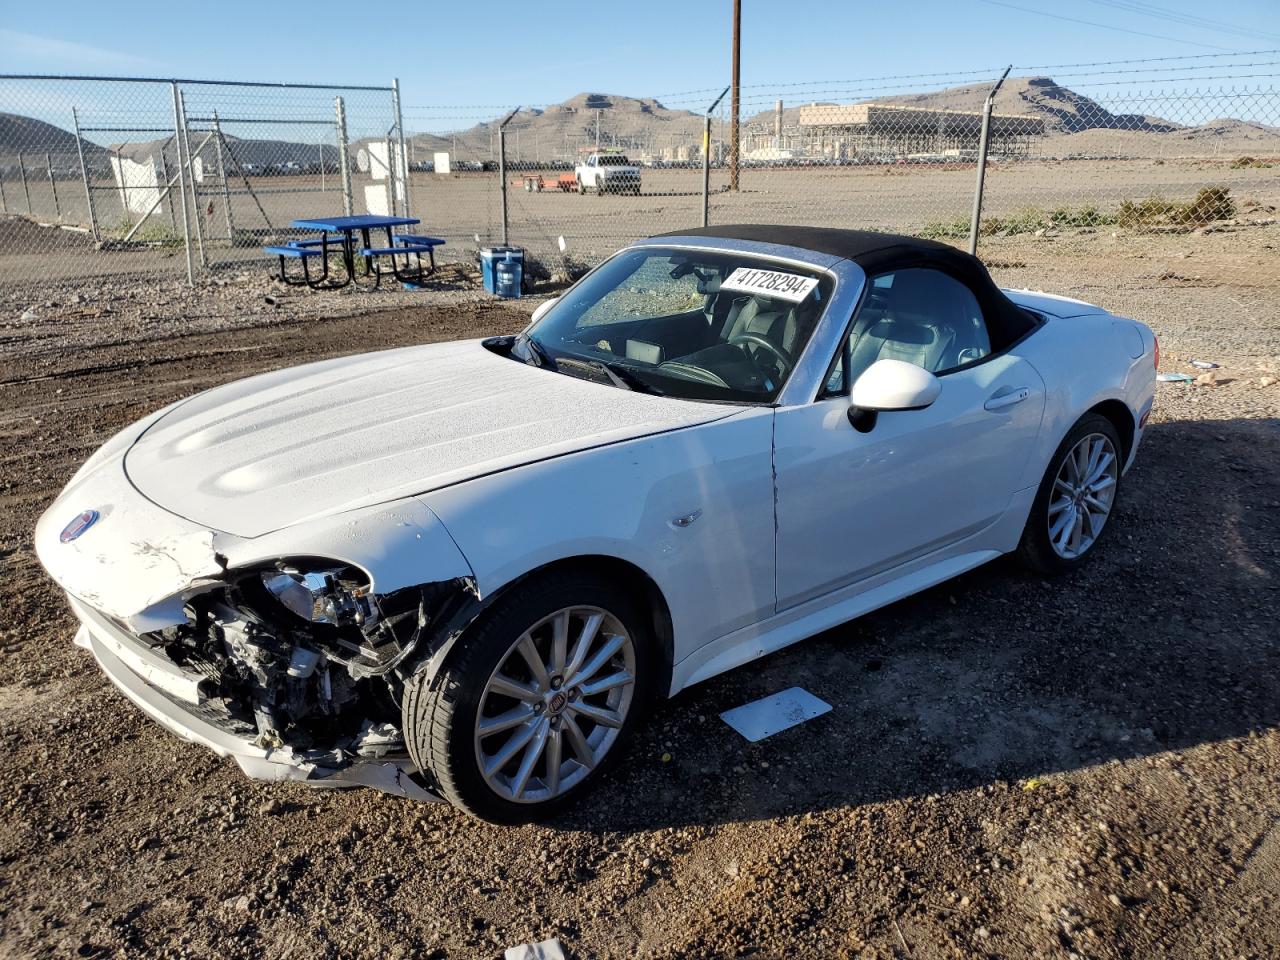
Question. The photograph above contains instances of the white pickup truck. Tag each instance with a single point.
(607, 173)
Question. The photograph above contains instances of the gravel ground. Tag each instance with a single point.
(1013, 768)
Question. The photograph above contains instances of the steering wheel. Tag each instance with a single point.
(760, 340)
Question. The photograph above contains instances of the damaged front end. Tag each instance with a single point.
(299, 666)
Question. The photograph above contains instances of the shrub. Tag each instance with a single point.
(1209, 204)
(945, 229)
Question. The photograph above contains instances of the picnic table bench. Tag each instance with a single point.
(338, 236)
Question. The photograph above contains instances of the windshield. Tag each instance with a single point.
(612, 160)
(690, 324)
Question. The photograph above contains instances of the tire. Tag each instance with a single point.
(582, 190)
(1039, 549)
(441, 713)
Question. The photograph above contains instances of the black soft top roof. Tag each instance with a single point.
(884, 252)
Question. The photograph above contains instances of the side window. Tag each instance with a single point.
(919, 315)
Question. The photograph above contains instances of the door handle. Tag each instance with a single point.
(1007, 397)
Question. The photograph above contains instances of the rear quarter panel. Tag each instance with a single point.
(1084, 361)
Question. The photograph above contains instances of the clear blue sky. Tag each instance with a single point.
(501, 52)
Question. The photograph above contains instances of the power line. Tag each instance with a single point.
(982, 74)
(1102, 26)
(1186, 19)
(1181, 56)
(1149, 70)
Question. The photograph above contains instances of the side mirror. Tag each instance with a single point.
(890, 385)
(543, 308)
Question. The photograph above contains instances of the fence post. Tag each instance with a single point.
(983, 137)
(706, 170)
(184, 148)
(164, 173)
(502, 178)
(502, 168)
(403, 159)
(343, 159)
(124, 187)
(26, 191)
(393, 205)
(53, 185)
(4, 201)
(222, 176)
(182, 186)
(706, 158)
(84, 175)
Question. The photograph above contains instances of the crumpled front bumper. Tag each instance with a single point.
(161, 688)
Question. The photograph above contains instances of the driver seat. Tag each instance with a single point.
(753, 315)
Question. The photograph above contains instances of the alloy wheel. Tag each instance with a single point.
(555, 704)
(1084, 491)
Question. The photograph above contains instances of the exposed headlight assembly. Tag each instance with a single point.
(368, 633)
(321, 597)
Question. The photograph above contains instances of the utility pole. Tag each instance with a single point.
(597, 131)
(733, 100)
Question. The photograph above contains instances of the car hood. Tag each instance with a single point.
(297, 444)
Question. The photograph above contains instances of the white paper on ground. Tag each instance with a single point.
(764, 718)
(546, 950)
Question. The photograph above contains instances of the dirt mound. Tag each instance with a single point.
(23, 235)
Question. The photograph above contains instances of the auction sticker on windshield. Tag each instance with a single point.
(770, 283)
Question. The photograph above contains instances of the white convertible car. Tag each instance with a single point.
(461, 570)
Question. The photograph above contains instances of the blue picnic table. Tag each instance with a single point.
(338, 234)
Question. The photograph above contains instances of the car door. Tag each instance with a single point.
(850, 504)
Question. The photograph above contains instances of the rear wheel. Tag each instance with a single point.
(1076, 498)
(535, 701)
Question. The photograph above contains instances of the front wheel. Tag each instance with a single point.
(535, 701)
(1076, 498)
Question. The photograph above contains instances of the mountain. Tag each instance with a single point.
(631, 123)
(643, 125)
(1062, 109)
(1230, 129)
(252, 155)
(35, 138)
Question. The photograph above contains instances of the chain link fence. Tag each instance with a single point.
(1137, 199)
(1134, 199)
(158, 177)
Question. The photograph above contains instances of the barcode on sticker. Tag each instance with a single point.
(770, 283)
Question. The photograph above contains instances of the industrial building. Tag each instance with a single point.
(840, 131)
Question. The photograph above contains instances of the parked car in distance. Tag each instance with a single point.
(608, 173)
(464, 570)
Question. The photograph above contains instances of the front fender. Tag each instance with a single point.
(401, 544)
(692, 508)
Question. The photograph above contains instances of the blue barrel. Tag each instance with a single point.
(490, 257)
(508, 273)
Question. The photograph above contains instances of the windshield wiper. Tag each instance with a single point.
(620, 376)
(624, 376)
(537, 352)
